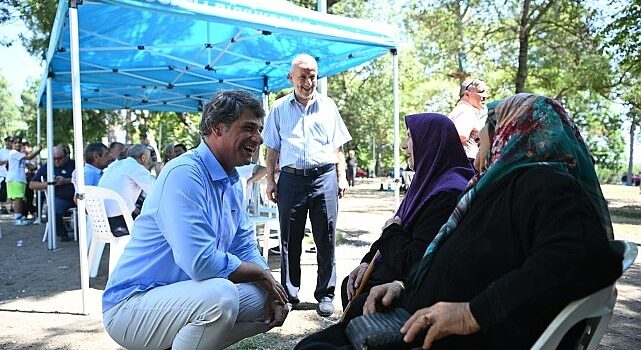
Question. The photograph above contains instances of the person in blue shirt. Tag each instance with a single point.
(191, 277)
(95, 161)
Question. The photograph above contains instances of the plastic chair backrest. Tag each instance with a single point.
(595, 309)
(95, 198)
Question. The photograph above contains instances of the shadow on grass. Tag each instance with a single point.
(305, 306)
(354, 233)
(289, 335)
(41, 312)
(627, 214)
(347, 237)
(8, 345)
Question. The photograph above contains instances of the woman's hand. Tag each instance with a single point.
(355, 278)
(383, 295)
(441, 319)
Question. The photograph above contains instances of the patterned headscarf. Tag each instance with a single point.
(440, 162)
(525, 130)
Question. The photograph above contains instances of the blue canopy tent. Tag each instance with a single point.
(173, 55)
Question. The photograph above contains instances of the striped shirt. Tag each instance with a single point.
(306, 137)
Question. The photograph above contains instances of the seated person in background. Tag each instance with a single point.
(442, 172)
(248, 174)
(168, 153)
(191, 277)
(116, 152)
(153, 158)
(96, 159)
(529, 236)
(127, 177)
(179, 149)
(63, 167)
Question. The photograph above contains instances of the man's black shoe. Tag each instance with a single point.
(65, 238)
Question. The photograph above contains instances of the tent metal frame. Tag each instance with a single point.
(191, 68)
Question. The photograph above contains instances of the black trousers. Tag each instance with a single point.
(351, 175)
(3, 190)
(297, 196)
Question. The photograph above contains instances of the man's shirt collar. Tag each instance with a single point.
(215, 170)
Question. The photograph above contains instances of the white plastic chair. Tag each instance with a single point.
(262, 216)
(95, 198)
(596, 309)
(73, 218)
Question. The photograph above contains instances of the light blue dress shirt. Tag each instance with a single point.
(92, 175)
(192, 226)
(305, 136)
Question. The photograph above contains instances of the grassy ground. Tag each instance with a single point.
(624, 331)
(40, 299)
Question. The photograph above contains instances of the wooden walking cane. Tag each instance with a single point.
(368, 272)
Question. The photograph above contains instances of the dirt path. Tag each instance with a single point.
(40, 300)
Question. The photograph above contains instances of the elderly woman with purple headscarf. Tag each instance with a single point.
(442, 171)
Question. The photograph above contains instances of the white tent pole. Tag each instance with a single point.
(266, 102)
(38, 218)
(321, 6)
(396, 125)
(265, 96)
(51, 191)
(78, 152)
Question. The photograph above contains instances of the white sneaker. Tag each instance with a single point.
(21, 222)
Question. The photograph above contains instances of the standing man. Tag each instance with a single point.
(467, 114)
(63, 168)
(352, 164)
(4, 164)
(304, 133)
(191, 277)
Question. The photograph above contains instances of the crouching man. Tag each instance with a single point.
(192, 276)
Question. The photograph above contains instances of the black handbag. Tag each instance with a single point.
(380, 330)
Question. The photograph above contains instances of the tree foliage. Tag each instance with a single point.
(624, 34)
(553, 48)
(10, 121)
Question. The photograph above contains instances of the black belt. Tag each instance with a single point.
(308, 172)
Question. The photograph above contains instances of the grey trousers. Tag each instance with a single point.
(209, 314)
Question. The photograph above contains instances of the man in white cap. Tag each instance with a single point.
(467, 114)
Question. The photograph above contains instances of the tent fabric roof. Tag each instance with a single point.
(173, 55)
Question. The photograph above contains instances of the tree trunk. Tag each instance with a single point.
(633, 129)
(524, 40)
